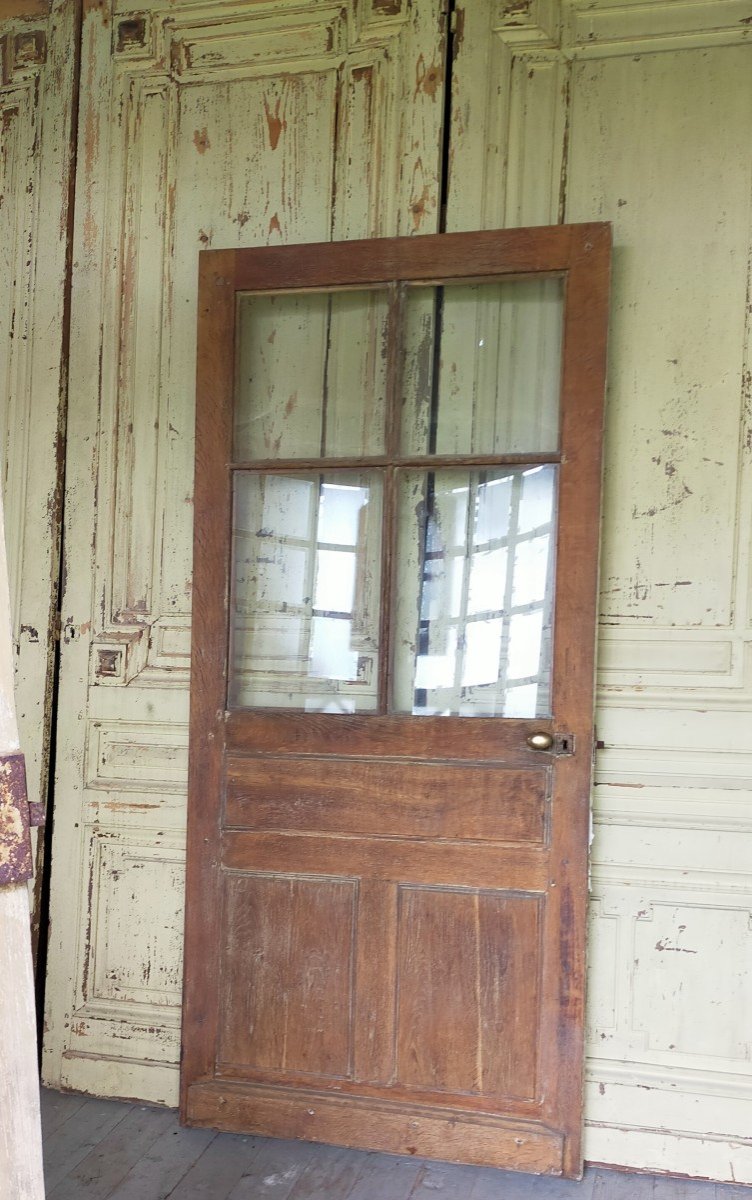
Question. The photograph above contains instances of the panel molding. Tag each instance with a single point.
(614, 27)
(128, 756)
(666, 929)
(666, 807)
(515, 80)
(126, 1003)
(18, 177)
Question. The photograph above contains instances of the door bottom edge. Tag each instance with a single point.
(409, 1130)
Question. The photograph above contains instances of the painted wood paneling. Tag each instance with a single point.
(639, 114)
(201, 124)
(37, 62)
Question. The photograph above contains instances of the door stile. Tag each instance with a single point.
(212, 526)
(573, 675)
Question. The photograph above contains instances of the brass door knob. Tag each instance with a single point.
(540, 741)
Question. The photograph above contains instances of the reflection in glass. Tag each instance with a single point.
(482, 368)
(306, 578)
(475, 593)
(311, 374)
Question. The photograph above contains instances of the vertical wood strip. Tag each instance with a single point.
(215, 380)
(582, 399)
(375, 1005)
(389, 519)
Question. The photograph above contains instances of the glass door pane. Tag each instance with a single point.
(475, 586)
(306, 584)
(311, 374)
(482, 367)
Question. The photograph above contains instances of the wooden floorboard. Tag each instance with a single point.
(108, 1150)
(76, 1137)
(107, 1165)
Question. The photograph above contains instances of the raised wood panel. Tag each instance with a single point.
(135, 958)
(482, 1034)
(663, 996)
(19, 119)
(707, 856)
(693, 977)
(383, 736)
(123, 756)
(671, 806)
(276, 1013)
(141, 342)
(655, 1120)
(383, 858)
(509, 119)
(387, 799)
(245, 41)
(655, 660)
(127, 1002)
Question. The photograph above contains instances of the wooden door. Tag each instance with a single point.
(396, 535)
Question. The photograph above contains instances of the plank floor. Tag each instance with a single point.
(108, 1150)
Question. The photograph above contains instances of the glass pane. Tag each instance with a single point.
(306, 574)
(482, 368)
(311, 375)
(475, 592)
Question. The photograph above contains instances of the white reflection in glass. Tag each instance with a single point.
(306, 593)
(484, 544)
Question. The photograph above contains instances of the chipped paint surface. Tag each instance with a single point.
(16, 818)
(257, 123)
(36, 101)
(630, 113)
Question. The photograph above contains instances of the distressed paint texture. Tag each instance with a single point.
(242, 124)
(36, 102)
(636, 114)
(200, 125)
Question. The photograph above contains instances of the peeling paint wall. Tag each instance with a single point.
(201, 124)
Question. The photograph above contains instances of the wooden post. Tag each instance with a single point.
(20, 1126)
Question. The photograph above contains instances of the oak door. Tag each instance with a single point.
(395, 567)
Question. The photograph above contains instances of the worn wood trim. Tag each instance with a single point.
(582, 407)
(256, 731)
(213, 503)
(544, 250)
(445, 1134)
